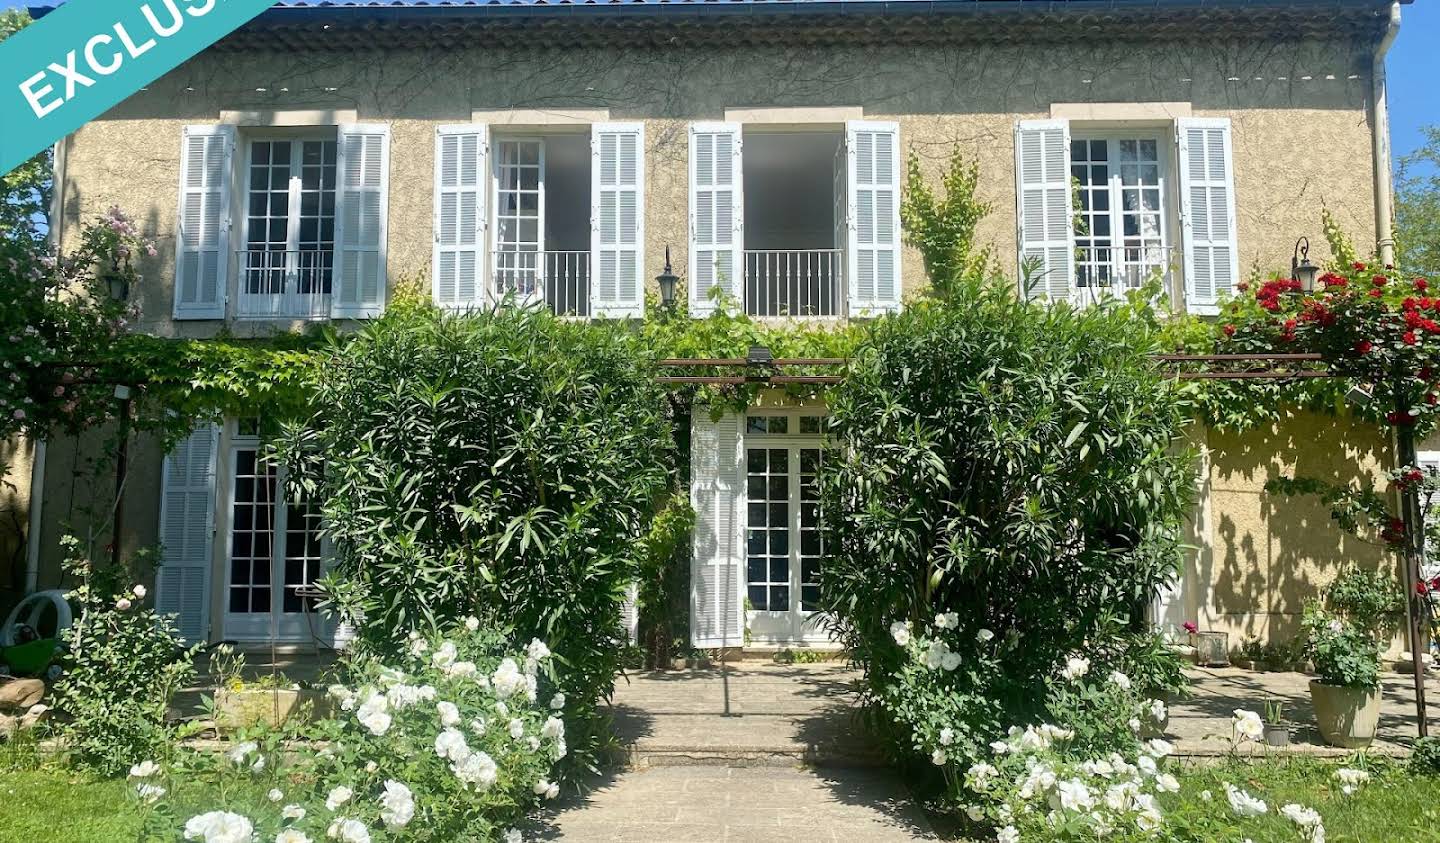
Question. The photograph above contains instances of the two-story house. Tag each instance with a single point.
(330, 150)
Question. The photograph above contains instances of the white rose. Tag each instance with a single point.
(1075, 667)
(337, 797)
(275, 794)
(397, 805)
(938, 758)
(900, 631)
(291, 835)
(537, 650)
(1119, 680)
(144, 770)
(517, 729)
(149, 793)
(348, 831)
(219, 827)
(292, 812)
(984, 636)
(449, 714)
(947, 736)
(139, 592)
(472, 623)
(557, 702)
(512, 835)
(1008, 834)
(123, 604)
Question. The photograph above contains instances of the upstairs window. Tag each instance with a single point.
(1121, 235)
(288, 262)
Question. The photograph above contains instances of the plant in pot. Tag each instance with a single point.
(1347, 694)
(1277, 728)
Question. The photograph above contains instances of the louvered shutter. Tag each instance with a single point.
(1042, 190)
(716, 491)
(363, 164)
(630, 613)
(202, 241)
(1207, 211)
(717, 204)
(460, 220)
(873, 200)
(187, 528)
(617, 220)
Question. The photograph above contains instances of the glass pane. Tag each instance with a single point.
(779, 460)
(755, 424)
(755, 461)
(755, 488)
(757, 596)
(779, 424)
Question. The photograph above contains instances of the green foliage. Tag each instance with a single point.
(943, 228)
(1417, 207)
(26, 190)
(1343, 654)
(121, 665)
(504, 464)
(1368, 599)
(663, 579)
(1425, 756)
(1012, 464)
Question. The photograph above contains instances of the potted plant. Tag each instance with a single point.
(1277, 728)
(1347, 694)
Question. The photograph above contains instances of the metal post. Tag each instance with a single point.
(1414, 521)
(122, 457)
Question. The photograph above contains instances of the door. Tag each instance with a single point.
(783, 543)
(274, 551)
(519, 217)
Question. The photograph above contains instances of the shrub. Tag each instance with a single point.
(1343, 654)
(1425, 756)
(502, 464)
(1368, 599)
(120, 667)
(453, 739)
(1012, 466)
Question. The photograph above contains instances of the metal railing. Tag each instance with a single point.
(794, 282)
(560, 279)
(285, 283)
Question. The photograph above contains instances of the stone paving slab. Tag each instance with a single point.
(740, 804)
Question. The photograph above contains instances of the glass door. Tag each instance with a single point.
(519, 217)
(784, 547)
(274, 551)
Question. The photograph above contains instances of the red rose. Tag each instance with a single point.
(1421, 588)
(1424, 373)
(1358, 266)
(1379, 280)
(1243, 286)
(1229, 330)
(1375, 294)
(1414, 475)
(1330, 279)
(1363, 346)
(1410, 338)
(1431, 398)
(1290, 324)
(1421, 284)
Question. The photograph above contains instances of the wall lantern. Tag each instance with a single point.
(667, 280)
(117, 279)
(1301, 269)
(759, 355)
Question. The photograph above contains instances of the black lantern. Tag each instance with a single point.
(667, 281)
(759, 355)
(117, 279)
(1301, 269)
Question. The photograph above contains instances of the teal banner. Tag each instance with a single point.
(85, 57)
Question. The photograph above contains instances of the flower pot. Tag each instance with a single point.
(1347, 717)
(1277, 734)
(271, 706)
(678, 663)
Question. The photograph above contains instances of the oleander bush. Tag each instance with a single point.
(503, 464)
(1003, 491)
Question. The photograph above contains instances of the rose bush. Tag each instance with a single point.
(453, 740)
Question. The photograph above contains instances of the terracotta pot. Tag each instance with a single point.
(1347, 717)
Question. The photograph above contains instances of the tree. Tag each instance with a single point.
(1417, 207)
(26, 190)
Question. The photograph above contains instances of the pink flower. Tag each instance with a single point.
(1191, 627)
(18, 415)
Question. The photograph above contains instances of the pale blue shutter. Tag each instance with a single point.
(1042, 188)
(617, 174)
(461, 180)
(873, 257)
(717, 205)
(187, 528)
(362, 207)
(716, 566)
(1207, 211)
(202, 239)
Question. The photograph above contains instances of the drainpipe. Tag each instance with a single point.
(1380, 141)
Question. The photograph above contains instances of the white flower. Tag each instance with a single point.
(978, 778)
(1119, 680)
(259, 764)
(1146, 765)
(477, 768)
(533, 742)
(376, 722)
(444, 656)
(478, 725)
(1102, 768)
(947, 620)
(950, 661)
(275, 794)
(149, 793)
(1075, 667)
(449, 714)
(462, 669)
(219, 827)
(292, 812)
(1247, 726)
(371, 766)
(144, 770)
(1166, 783)
(512, 835)
(502, 709)
(1134, 724)
(537, 650)
(999, 747)
(1309, 821)
(541, 786)
(402, 695)
(238, 754)
(938, 758)
(517, 728)
(1008, 834)
(557, 702)
(397, 805)
(291, 835)
(123, 604)
(900, 631)
(472, 623)
(337, 797)
(1206, 796)
(450, 744)
(1159, 748)
(984, 636)
(947, 736)
(139, 592)
(1075, 796)
(1157, 711)
(554, 728)
(935, 653)
(507, 679)
(418, 645)
(348, 831)
(975, 812)
(1346, 775)
(1243, 803)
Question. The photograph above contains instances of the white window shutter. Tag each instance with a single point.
(362, 209)
(460, 220)
(1207, 211)
(1043, 197)
(630, 614)
(873, 210)
(202, 241)
(716, 566)
(717, 211)
(187, 528)
(617, 220)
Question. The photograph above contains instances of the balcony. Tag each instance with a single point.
(284, 284)
(794, 282)
(561, 280)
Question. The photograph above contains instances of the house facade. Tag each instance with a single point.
(326, 154)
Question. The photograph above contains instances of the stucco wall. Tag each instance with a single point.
(1301, 133)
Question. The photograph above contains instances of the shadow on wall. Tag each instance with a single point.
(15, 454)
(1272, 553)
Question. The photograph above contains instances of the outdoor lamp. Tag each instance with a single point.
(118, 280)
(667, 280)
(759, 355)
(1301, 269)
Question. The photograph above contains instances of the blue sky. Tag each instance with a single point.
(1414, 72)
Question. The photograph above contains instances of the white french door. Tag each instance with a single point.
(519, 228)
(783, 543)
(274, 550)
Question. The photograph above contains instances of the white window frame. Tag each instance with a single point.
(1166, 159)
(295, 188)
(497, 144)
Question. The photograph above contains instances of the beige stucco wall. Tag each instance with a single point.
(1301, 137)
